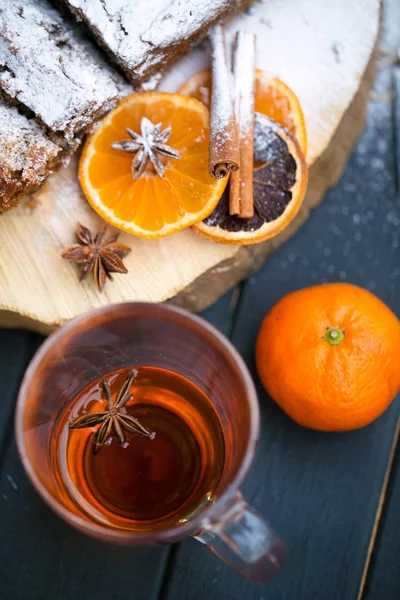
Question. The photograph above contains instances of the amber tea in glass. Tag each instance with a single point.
(137, 424)
(145, 482)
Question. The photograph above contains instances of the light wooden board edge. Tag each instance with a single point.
(213, 283)
(324, 173)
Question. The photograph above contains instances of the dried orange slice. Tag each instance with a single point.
(273, 98)
(279, 184)
(152, 205)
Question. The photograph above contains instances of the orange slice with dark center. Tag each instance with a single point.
(151, 206)
(279, 185)
(273, 98)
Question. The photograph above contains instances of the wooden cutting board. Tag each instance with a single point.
(324, 51)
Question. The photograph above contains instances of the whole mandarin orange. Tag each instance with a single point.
(329, 356)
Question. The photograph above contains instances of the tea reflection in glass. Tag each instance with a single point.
(143, 482)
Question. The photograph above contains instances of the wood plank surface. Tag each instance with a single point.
(15, 352)
(383, 579)
(322, 491)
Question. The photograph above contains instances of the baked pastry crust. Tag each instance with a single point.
(55, 84)
(50, 68)
(145, 36)
(27, 155)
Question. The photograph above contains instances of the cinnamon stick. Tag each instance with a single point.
(241, 182)
(223, 150)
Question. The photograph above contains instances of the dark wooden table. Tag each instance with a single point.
(335, 498)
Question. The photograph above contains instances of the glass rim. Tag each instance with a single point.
(209, 512)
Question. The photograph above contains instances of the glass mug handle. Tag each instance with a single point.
(243, 540)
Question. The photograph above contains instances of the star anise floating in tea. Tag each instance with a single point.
(103, 256)
(148, 147)
(114, 420)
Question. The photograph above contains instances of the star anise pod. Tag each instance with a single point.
(103, 256)
(148, 146)
(112, 421)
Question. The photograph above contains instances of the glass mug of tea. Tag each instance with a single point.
(137, 423)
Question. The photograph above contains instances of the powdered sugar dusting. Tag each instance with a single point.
(222, 109)
(50, 68)
(145, 35)
(18, 135)
(26, 155)
(268, 145)
(223, 126)
(243, 72)
(243, 69)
